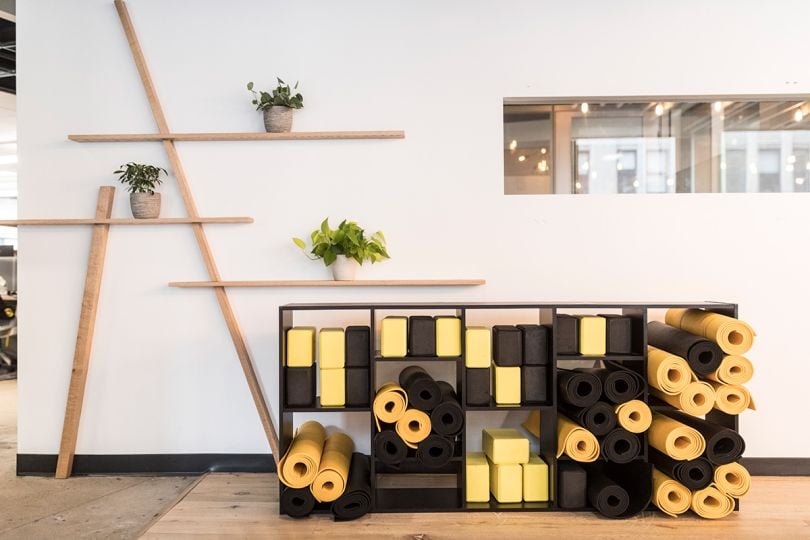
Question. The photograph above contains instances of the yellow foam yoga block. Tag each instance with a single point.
(333, 387)
(300, 346)
(505, 445)
(506, 384)
(592, 335)
(394, 337)
(331, 348)
(506, 482)
(478, 346)
(448, 336)
(477, 477)
(535, 479)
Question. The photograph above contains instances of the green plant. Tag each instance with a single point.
(140, 178)
(348, 239)
(282, 95)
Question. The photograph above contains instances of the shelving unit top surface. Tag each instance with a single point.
(505, 305)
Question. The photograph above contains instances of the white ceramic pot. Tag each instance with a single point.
(344, 268)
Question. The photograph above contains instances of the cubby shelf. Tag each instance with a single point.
(415, 359)
(617, 357)
(237, 136)
(502, 407)
(330, 283)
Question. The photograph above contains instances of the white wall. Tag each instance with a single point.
(164, 376)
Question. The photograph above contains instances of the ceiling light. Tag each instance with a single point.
(723, 165)
(789, 168)
(584, 108)
(543, 150)
(670, 182)
(659, 110)
(800, 180)
(542, 166)
(619, 166)
(593, 175)
(791, 159)
(513, 145)
(521, 158)
(585, 166)
(798, 115)
(635, 183)
(718, 106)
(753, 168)
(578, 185)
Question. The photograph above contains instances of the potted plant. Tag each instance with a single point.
(344, 248)
(141, 181)
(277, 106)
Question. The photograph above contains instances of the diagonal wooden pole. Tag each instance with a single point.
(84, 337)
(199, 232)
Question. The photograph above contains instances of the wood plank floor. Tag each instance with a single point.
(246, 506)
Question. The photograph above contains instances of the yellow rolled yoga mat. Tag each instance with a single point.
(733, 335)
(390, 404)
(669, 495)
(675, 439)
(697, 398)
(576, 441)
(634, 416)
(333, 471)
(731, 398)
(413, 427)
(732, 479)
(532, 423)
(711, 503)
(299, 466)
(734, 369)
(668, 373)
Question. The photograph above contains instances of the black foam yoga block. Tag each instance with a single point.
(357, 388)
(567, 334)
(299, 386)
(477, 386)
(297, 502)
(619, 334)
(507, 350)
(533, 384)
(572, 485)
(358, 346)
(421, 335)
(423, 392)
(534, 339)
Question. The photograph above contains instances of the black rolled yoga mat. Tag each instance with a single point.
(356, 499)
(609, 498)
(571, 492)
(421, 335)
(435, 451)
(298, 502)
(635, 478)
(618, 385)
(535, 344)
(578, 389)
(723, 445)
(357, 339)
(599, 418)
(389, 448)
(694, 474)
(620, 446)
(703, 356)
(507, 349)
(567, 334)
(477, 386)
(299, 386)
(423, 392)
(447, 418)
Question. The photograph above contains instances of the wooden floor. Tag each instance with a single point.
(246, 506)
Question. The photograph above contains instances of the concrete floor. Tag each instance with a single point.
(81, 507)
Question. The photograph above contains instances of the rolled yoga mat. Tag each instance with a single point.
(423, 392)
(694, 474)
(333, 471)
(297, 502)
(733, 335)
(578, 389)
(723, 445)
(734, 369)
(609, 498)
(421, 335)
(435, 451)
(675, 439)
(389, 447)
(732, 479)
(635, 416)
(356, 499)
(447, 418)
(620, 446)
(618, 385)
(698, 398)
(299, 466)
(731, 398)
(576, 441)
(666, 372)
(389, 404)
(413, 427)
(711, 503)
(599, 418)
(670, 496)
(633, 478)
(703, 356)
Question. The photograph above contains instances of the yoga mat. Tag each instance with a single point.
(389, 448)
(535, 480)
(356, 499)
(667, 372)
(357, 387)
(435, 451)
(421, 335)
(618, 385)
(477, 386)
(394, 337)
(534, 339)
(694, 474)
(297, 503)
(333, 471)
(413, 427)
(634, 416)
(298, 467)
(358, 346)
(620, 446)
(634, 478)
(723, 445)
(733, 335)
(592, 335)
(533, 384)
(448, 336)
(299, 386)
(505, 445)
(447, 418)
(703, 356)
(731, 398)
(734, 369)
(506, 482)
(507, 350)
(478, 348)
(572, 485)
(599, 418)
(670, 496)
(567, 334)
(675, 439)
(423, 392)
(711, 503)
(609, 498)
(333, 387)
(300, 346)
(477, 468)
(619, 334)
(575, 441)
(697, 398)
(331, 348)
(578, 389)
(506, 384)
(732, 479)
(532, 423)
(389, 404)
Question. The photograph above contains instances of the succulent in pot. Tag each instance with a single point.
(141, 181)
(277, 106)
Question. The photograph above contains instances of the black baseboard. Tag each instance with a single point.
(147, 464)
(759, 466)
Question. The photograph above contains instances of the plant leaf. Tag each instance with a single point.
(300, 243)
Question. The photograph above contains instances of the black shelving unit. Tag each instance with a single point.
(411, 489)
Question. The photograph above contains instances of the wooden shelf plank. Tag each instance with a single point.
(248, 136)
(123, 221)
(325, 283)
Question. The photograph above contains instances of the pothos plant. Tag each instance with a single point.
(282, 96)
(140, 178)
(348, 239)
